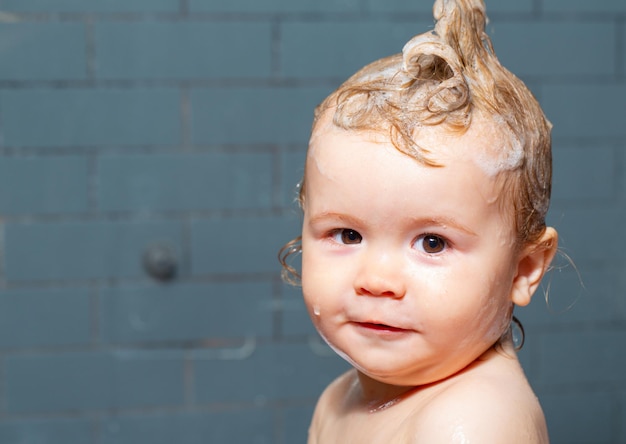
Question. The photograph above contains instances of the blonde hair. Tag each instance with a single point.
(444, 78)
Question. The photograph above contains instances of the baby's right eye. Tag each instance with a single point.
(347, 236)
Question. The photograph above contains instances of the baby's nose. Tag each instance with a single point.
(380, 274)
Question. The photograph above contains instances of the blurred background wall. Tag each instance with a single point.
(175, 130)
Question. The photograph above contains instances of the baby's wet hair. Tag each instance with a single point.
(446, 78)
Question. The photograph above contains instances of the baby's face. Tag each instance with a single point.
(407, 269)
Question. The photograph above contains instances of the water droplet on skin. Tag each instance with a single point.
(316, 310)
(377, 408)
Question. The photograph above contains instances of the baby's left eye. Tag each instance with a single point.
(431, 244)
(347, 236)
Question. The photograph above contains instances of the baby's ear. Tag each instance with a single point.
(534, 260)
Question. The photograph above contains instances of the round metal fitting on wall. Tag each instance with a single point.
(160, 261)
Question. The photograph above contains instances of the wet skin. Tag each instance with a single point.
(410, 273)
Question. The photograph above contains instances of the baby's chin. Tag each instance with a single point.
(421, 375)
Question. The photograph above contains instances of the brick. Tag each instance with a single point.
(578, 418)
(41, 431)
(578, 357)
(92, 380)
(241, 426)
(82, 6)
(398, 6)
(183, 50)
(295, 318)
(60, 185)
(510, 6)
(42, 51)
(341, 48)
(622, 56)
(181, 312)
(39, 318)
(584, 173)
(240, 245)
(79, 117)
(621, 436)
(185, 182)
(526, 359)
(584, 6)
(82, 250)
(254, 115)
(553, 49)
(279, 371)
(410, 6)
(620, 303)
(582, 246)
(297, 421)
(292, 168)
(590, 110)
(274, 6)
(573, 297)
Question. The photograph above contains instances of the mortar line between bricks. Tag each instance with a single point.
(277, 179)
(97, 414)
(616, 415)
(186, 119)
(277, 314)
(183, 5)
(363, 8)
(184, 14)
(244, 82)
(579, 17)
(177, 348)
(55, 151)
(621, 427)
(537, 9)
(276, 45)
(618, 167)
(186, 261)
(131, 216)
(90, 50)
(538, 12)
(188, 379)
(3, 282)
(69, 283)
(620, 50)
(96, 430)
(173, 83)
(94, 314)
(3, 387)
(92, 182)
(279, 423)
(606, 387)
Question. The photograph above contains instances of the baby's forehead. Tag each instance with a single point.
(487, 142)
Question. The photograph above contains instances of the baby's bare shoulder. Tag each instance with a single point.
(481, 407)
(329, 406)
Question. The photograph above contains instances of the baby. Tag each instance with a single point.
(425, 191)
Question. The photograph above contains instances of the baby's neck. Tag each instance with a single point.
(375, 396)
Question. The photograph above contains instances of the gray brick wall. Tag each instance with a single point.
(130, 123)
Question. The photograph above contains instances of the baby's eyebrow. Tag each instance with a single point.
(443, 222)
(330, 215)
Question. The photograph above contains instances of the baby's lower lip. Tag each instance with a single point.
(380, 327)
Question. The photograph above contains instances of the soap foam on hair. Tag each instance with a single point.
(505, 151)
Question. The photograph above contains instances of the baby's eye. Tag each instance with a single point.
(347, 236)
(431, 244)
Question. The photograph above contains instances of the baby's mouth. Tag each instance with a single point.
(380, 327)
